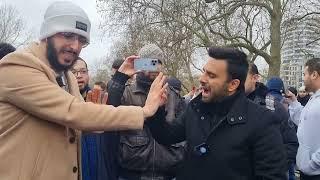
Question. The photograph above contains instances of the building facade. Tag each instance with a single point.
(301, 43)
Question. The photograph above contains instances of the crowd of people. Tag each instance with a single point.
(138, 125)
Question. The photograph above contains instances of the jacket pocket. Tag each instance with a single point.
(135, 152)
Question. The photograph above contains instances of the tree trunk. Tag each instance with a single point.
(275, 49)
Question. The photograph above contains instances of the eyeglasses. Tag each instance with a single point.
(302, 91)
(69, 36)
(81, 71)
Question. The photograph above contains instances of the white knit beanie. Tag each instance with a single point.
(65, 16)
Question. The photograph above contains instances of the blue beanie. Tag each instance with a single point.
(275, 84)
(175, 83)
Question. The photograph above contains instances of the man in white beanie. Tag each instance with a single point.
(41, 109)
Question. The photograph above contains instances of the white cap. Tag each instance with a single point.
(65, 16)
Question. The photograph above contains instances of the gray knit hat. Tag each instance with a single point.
(151, 51)
(65, 16)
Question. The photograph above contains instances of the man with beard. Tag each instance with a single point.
(140, 156)
(41, 109)
(307, 119)
(228, 136)
(258, 93)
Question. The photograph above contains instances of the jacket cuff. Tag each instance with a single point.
(120, 78)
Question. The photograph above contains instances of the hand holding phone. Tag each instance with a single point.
(146, 64)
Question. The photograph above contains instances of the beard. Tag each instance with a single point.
(216, 95)
(52, 56)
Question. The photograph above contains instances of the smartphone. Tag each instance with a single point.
(146, 64)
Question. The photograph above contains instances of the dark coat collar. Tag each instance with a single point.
(237, 113)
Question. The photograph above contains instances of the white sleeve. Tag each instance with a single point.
(309, 141)
(295, 109)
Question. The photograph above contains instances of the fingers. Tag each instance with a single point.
(130, 59)
(158, 78)
(105, 98)
(164, 89)
(89, 96)
(99, 97)
(159, 81)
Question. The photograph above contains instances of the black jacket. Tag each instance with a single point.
(140, 156)
(287, 128)
(246, 145)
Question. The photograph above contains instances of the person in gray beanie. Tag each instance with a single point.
(145, 158)
(42, 111)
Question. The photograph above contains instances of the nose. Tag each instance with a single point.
(202, 78)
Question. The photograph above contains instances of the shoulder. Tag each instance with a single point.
(260, 115)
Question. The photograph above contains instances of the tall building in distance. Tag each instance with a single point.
(302, 43)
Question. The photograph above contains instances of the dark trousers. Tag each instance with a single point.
(305, 177)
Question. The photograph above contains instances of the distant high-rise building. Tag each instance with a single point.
(302, 43)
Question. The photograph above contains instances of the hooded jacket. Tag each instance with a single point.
(287, 128)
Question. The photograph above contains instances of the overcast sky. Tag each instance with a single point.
(32, 12)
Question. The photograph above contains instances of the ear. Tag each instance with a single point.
(256, 77)
(233, 85)
(314, 75)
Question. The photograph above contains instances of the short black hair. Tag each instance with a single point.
(79, 58)
(237, 64)
(117, 63)
(253, 69)
(313, 65)
(6, 48)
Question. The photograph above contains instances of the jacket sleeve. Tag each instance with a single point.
(164, 132)
(29, 89)
(288, 132)
(116, 87)
(268, 150)
(295, 109)
(308, 160)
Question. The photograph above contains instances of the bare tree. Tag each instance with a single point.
(257, 26)
(12, 27)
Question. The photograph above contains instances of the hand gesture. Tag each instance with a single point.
(127, 66)
(156, 96)
(290, 97)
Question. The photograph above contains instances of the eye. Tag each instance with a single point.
(83, 40)
(211, 75)
(83, 71)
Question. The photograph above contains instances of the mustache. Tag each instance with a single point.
(70, 51)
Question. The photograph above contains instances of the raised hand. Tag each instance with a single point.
(127, 66)
(156, 96)
(290, 97)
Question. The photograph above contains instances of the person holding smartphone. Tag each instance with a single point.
(140, 156)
